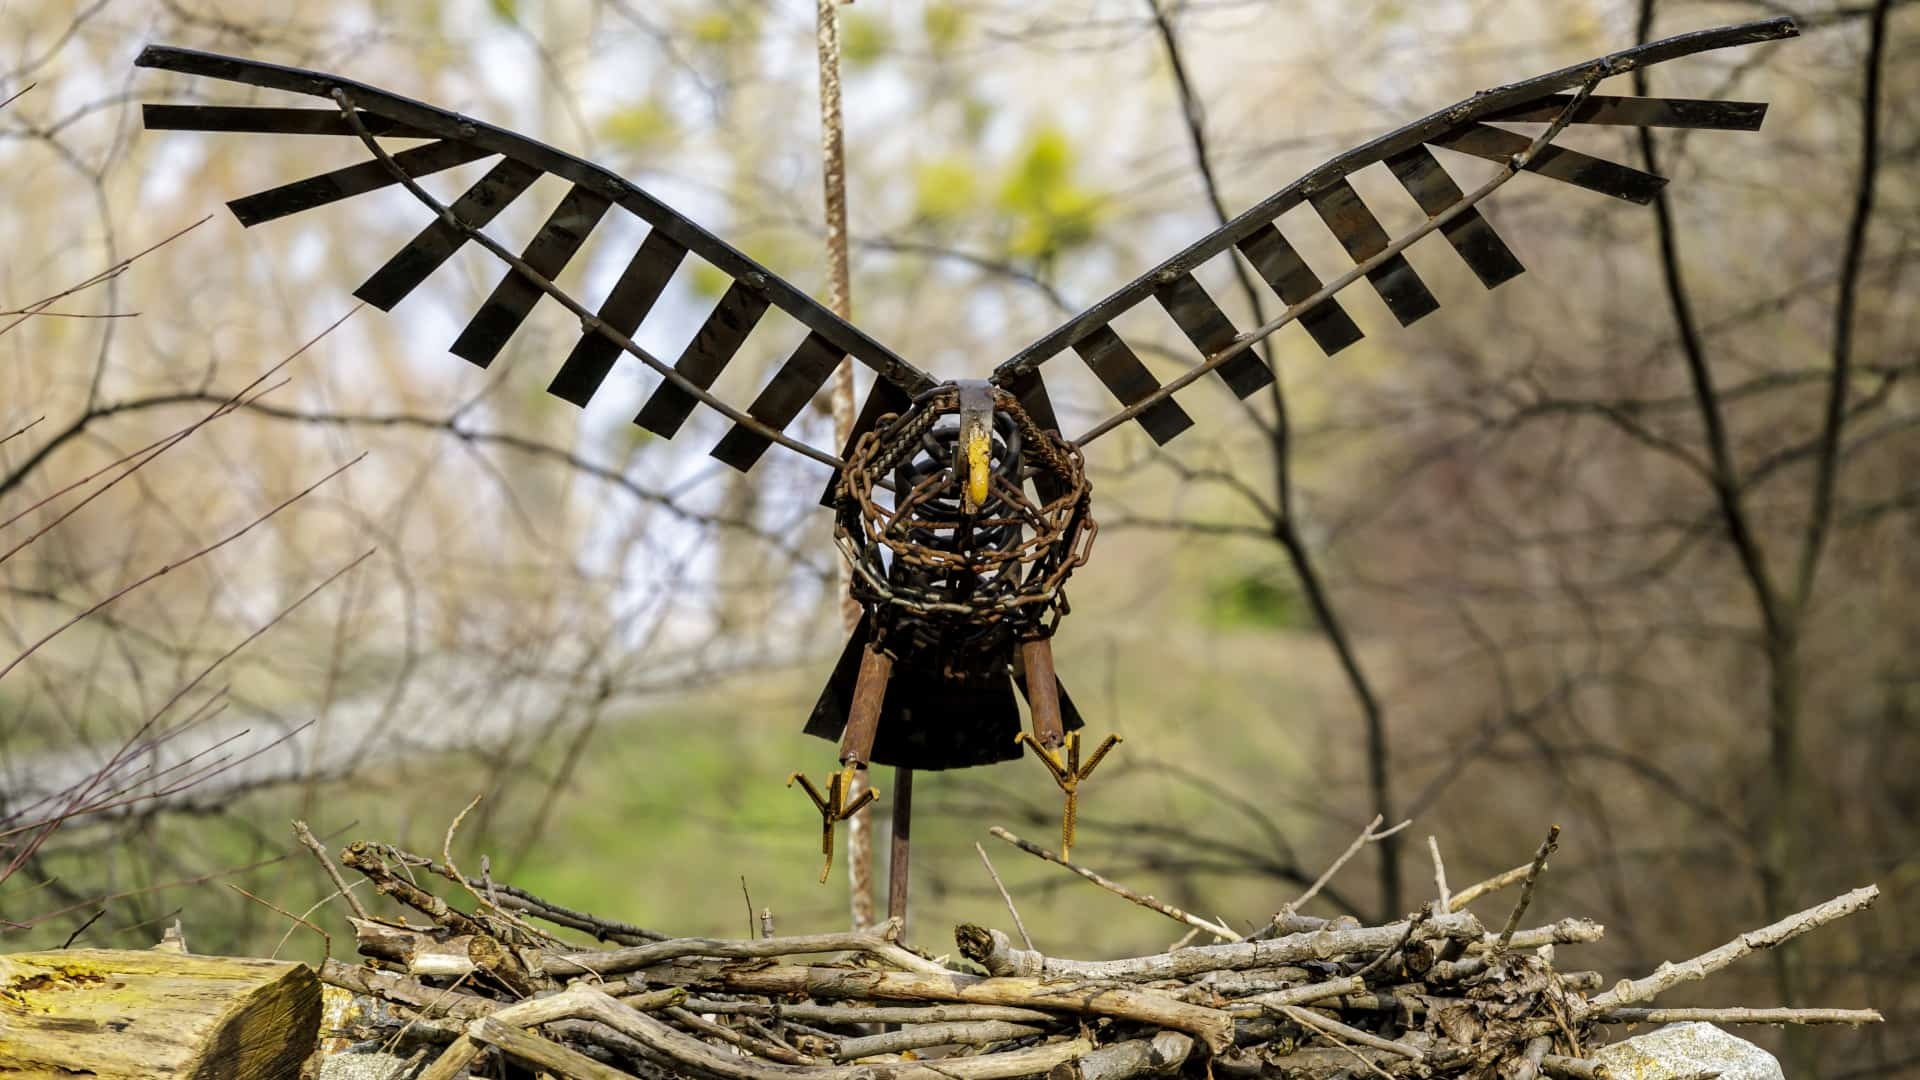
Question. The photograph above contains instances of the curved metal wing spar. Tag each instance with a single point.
(450, 139)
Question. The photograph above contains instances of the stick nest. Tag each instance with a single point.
(484, 987)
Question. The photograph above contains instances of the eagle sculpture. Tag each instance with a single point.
(960, 506)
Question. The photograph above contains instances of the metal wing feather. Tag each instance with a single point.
(1466, 127)
(367, 114)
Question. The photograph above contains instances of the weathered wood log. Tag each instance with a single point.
(121, 1015)
(1211, 1026)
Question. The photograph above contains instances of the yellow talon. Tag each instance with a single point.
(1068, 775)
(833, 807)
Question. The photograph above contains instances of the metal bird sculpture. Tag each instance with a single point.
(959, 506)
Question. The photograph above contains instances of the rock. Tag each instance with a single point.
(1687, 1050)
(356, 1037)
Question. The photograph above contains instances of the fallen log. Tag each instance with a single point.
(150, 1015)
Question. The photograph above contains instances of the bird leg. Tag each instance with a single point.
(856, 749)
(1049, 738)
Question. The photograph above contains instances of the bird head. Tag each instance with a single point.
(973, 456)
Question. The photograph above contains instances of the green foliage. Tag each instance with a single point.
(1255, 598)
(975, 113)
(944, 188)
(643, 125)
(717, 29)
(864, 39)
(508, 10)
(709, 280)
(1051, 213)
(945, 24)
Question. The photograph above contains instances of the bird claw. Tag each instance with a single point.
(834, 808)
(1068, 774)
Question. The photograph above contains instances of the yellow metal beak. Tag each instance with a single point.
(979, 467)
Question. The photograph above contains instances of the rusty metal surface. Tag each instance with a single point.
(863, 720)
(1209, 329)
(1488, 256)
(1642, 112)
(482, 139)
(269, 121)
(883, 399)
(1129, 380)
(331, 187)
(959, 591)
(1293, 281)
(712, 347)
(1043, 691)
(1485, 103)
(791, 387)
(547, 253)
(1364, 237)
(1570, 166)
(413, 264)
(1030, 390)
(633, 296)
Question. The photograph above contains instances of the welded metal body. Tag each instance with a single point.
(959, 506)
(952, 586)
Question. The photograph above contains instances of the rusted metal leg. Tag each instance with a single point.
(856, 750)
(1049, 740)
(1043, 692)
(863, 719)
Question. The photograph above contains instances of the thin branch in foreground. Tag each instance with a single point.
(1018, 924)
(35, 308)
(167, 568)
(18, 94)
(1668, 976)
(1740, 1015)
(1505, 879)
(312, 843)
(1539, 864)
(1117, 889)
(326, 938)
(1441, 894)
(1367, 836)
(19, 431)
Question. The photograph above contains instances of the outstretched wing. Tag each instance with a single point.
(1469, 127)
(367, 115)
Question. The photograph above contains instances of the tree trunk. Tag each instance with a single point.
(113, 1015)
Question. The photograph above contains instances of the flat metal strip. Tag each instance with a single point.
(1558, 162)
(721, 336)
(1292, 280)
(1129, 380)
(1364, 237)
(1210, 331)
(265, 121)
(1031, 391)
(1269, 209)
(436, 243)
(1485, 253)
(352, 180)
(791, 387)
(1640, 112)
(633, 296)
(490, 138)
(884, 398)
(546, 254)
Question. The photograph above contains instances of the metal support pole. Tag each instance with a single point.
(898, 855)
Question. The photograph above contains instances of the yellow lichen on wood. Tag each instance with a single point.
(120, 1015)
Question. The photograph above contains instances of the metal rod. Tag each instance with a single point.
(902, 843)
(1247, 340)
(863, 718)
(1043, 692)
